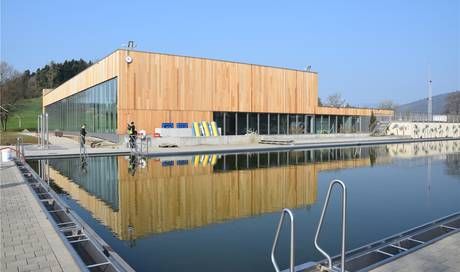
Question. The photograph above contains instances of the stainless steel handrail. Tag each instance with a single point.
(275, 242)
(20, 148)
(344, 223)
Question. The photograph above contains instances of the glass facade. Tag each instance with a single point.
(229, 162)
(240, 123)
(99, 177)
(95, 106)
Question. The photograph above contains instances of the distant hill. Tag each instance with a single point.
(439, 105)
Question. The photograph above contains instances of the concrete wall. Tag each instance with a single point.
(424, 129)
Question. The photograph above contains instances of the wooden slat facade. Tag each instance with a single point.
(158, 88)
(160, 199)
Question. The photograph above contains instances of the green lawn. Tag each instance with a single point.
(9, 138)
(26, 110)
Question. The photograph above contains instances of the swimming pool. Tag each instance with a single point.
(220, 212)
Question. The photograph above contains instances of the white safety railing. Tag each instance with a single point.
(275, 242)
(43, 135)
(19, 148)
(344, 225)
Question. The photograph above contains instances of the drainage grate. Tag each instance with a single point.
(94, 254)
(386, 250)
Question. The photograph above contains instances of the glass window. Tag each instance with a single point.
(253, 123)
(332, 124)
(340, 128)
(308, 124)
(230, 128)
(218, 117)
(283, 123)
(347, 124)
(242, 123)
(263, 123)
(318, 124)
(325, 124)
(96, 107)
(273, 123)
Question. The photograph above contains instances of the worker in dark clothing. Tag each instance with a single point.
(82, 140)
(132, 135)
(82, 135)
(132, 165)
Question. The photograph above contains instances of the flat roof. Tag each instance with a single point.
(220, 60)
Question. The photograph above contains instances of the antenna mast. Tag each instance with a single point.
(430, 99)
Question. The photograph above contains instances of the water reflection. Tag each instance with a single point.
(135, 197)
(453, 165)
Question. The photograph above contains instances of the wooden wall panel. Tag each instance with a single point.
(99, 72)
(232, 77)
(293, 98)
(169, 81)
(191, 92)
(273, 90)
(190, 116)
(257, 100)
(244, 88)
(143, 119)
(312, 83)
(166, 83)
(151, 119)
(352, 111)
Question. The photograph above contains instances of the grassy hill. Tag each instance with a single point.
(439, 105)
(26, 110)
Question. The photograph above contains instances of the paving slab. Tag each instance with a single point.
(71, 150)
(443, 255)
(28, 241)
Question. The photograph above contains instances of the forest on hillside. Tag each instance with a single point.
(15, 85)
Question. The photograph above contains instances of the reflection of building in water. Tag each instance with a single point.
(160, 198)
(196, 191)
(99, 177)
(411, 150)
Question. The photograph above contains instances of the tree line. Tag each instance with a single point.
(336, 100)
(15, 85)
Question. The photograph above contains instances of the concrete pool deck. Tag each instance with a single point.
(443, 255)
(65, 147)
(28, 240)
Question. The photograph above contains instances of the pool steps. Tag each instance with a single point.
(372, 255)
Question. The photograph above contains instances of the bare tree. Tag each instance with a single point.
(8, 79)
(387, 104)
(7, 72)
(335, 100)
(453, 103)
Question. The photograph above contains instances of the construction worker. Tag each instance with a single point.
(82, 141)
(82, 135)
(132, 135)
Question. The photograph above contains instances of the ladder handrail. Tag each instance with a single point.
(344, 223)
(275, 242)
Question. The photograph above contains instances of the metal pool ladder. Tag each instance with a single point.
(318, 231)
(344, 226)
(275, 242)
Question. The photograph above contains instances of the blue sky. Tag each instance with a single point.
(365, 50)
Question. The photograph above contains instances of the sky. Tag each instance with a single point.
(367, 51)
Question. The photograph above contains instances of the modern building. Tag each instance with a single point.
(153, 88)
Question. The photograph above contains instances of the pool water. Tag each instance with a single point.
(220, 212)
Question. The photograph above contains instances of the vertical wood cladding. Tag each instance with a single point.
(166, 85)
(160, 199)
(158, 88)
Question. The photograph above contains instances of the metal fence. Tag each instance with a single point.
(425, 117)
